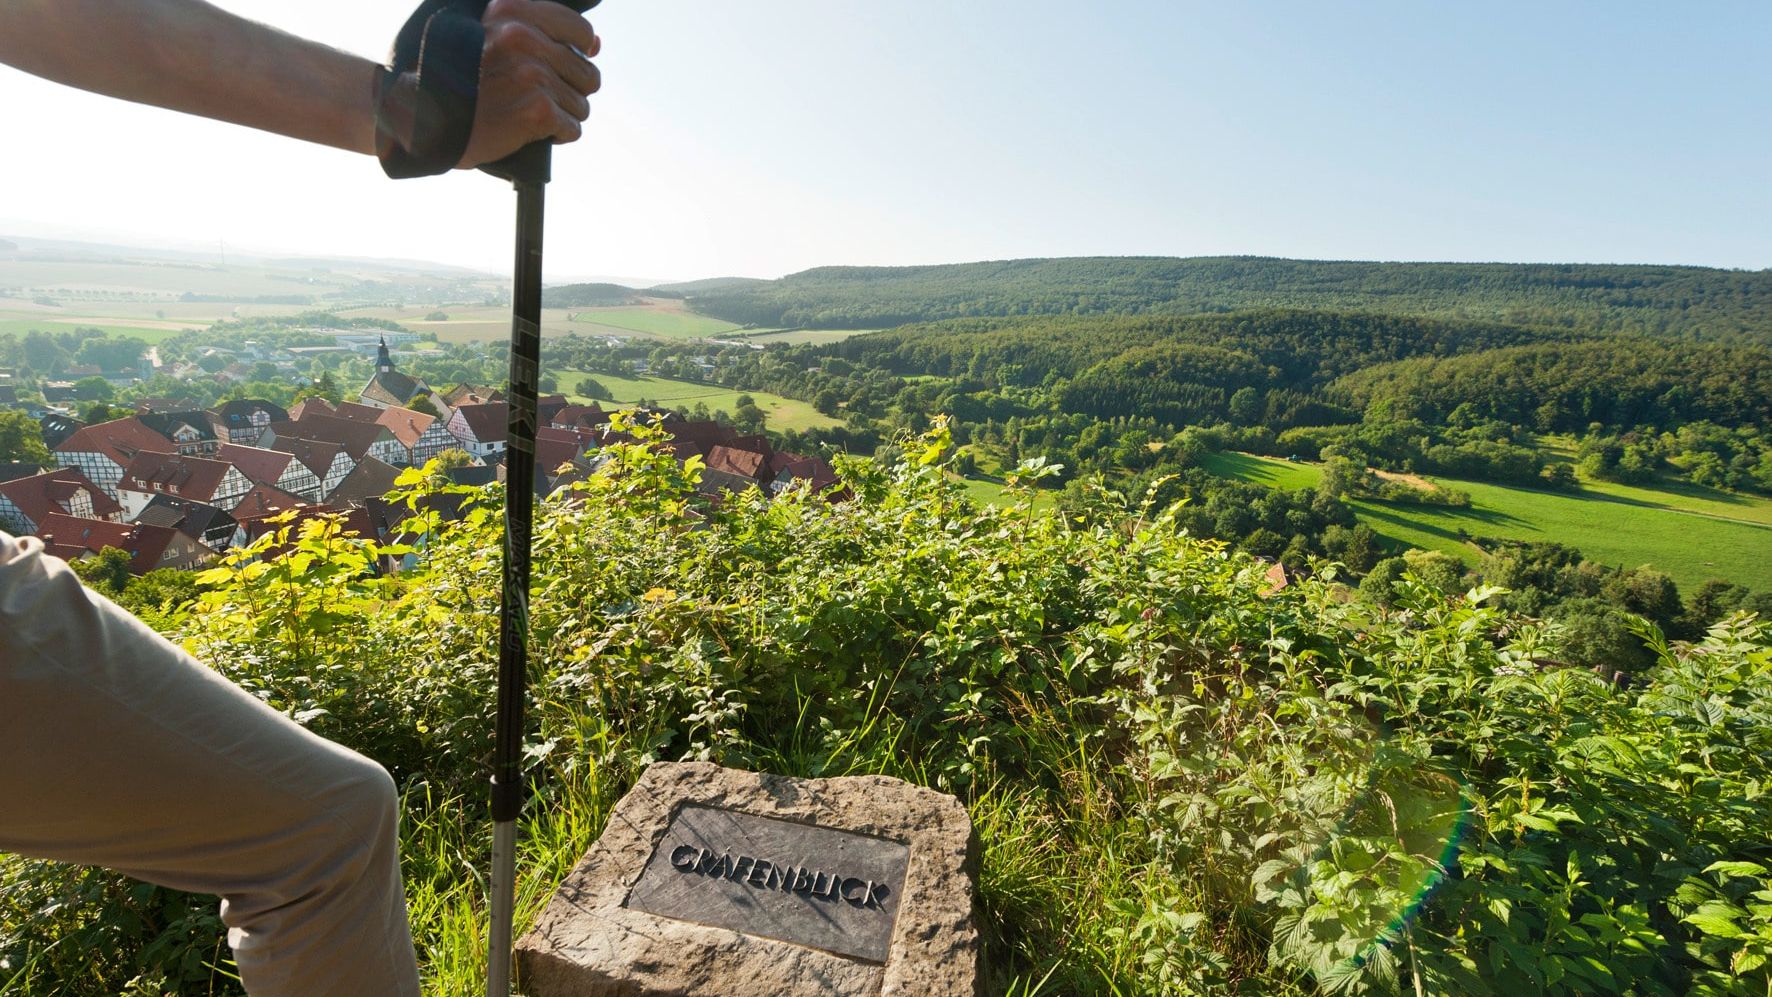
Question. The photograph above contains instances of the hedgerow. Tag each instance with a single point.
(1184, 779)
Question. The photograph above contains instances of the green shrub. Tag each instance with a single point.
(1182, 782)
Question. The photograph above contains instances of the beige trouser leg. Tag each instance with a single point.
(117, 749)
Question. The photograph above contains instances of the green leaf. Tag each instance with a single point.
(1715, 925)
(1737, 869)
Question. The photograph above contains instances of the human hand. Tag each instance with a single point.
(535, 75)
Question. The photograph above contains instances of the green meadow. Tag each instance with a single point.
(651, 320)
(20, 327)
(992, 491)
(782, 413)
(1682, 532)
(1273, 473)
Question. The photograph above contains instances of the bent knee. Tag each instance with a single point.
(365, 797)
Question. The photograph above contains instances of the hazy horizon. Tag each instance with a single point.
(13, 228)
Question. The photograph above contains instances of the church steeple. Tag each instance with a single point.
(384, 364)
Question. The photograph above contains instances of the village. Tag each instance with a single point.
(174, 485)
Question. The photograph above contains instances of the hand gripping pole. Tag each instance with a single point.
(529, 170)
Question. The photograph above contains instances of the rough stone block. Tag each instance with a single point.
(712, 881)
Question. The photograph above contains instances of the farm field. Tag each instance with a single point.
(20, 327)
(1660, 528)
(482, 323)
(783, 413)
(466, 323)
(661, 319)
(802, 337)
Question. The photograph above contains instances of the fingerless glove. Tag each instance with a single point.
(425, 99)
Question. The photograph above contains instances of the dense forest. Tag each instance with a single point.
(1319, 367)
(1566, 386)
(1291, 349)
(1687, 301)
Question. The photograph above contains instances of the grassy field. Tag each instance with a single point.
(1261, 470)
(783, 413)
(659, 320)
(1683, 496)
(20, 327)
(1676, 531)
(990, 490)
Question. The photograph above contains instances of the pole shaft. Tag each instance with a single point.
(513, 649)
(504, 902)
(513, 657)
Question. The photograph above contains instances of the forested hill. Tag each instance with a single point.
(1668, 300)
(1291, 348)
(1316, 367)
(588, 295)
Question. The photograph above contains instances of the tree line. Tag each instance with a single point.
(1658, 300)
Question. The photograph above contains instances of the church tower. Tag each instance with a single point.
(387, 387)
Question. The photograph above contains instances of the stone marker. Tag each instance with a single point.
(712, 881)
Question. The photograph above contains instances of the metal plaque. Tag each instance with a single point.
(814, 886)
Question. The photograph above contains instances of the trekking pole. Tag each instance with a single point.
(434, 79)
(529, 170)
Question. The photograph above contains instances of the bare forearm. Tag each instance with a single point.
(189, 56)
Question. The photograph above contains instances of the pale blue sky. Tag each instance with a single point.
(767, 137)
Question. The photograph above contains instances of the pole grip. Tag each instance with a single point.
(534, 163)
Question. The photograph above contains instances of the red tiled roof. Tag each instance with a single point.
(48, 494)
(486, 422)
(755, 444)
(264, 500)
(472, 394)
(743, 463)
(587, 416)
(119, 439)
(356, 412)
(407, 426)
(70, 539)
(554, 447)
(310, 406)
(813, 469)
(354, 437)
(260, 466)
(371, 478)
(186, 477)
(701, 437)
(315, 455)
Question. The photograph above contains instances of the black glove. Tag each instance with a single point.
(425, 101)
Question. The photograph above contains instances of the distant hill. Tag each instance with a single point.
(588, 296)
(710, 285)
(1658, 300)
(8, 247)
